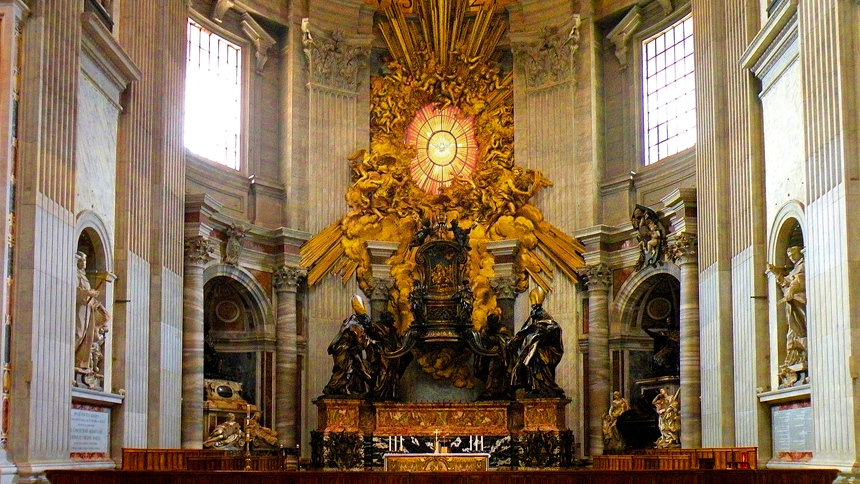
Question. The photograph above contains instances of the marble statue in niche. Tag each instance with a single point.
(91, 327)
(792, 281)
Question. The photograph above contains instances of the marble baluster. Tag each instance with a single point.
(287, 281)
(598, 279)
(198, 253)
(683, 250)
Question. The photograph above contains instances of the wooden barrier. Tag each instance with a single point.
(235, 463)
(742, 476)
(718, 458)
(163, 459)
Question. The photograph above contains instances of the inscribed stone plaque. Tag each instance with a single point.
(792, 432)
(89, 436)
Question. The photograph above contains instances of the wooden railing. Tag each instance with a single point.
(235, 463)
(163, 459)
(742, 476)
(679, 459)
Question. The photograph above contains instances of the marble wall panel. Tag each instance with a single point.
(750, 349)
(96, 152)
(134, 355)
(52, 332)
(785, 166)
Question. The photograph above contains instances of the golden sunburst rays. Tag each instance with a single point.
(444, 28)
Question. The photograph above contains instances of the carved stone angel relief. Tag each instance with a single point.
(651, 234)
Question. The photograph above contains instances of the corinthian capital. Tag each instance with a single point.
(287, 278)
(198, 250)
(504, 287)
(547, 56)
(684, 249)
(596, 276)
(333, 60)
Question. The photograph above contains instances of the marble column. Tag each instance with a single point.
(683, 250)
(598, 279)
(198, 253)
(506, 298)
(287, 281)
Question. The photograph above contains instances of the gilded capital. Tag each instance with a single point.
(596, 276)
(684, 249)
(198, 251)
(287, 278)
(504, 287)
(332, 60)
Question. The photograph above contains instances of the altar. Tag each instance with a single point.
(436, 462)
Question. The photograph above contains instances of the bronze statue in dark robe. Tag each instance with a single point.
(536, 350)
(351, 374)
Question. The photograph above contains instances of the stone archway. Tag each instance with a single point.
(239, 335)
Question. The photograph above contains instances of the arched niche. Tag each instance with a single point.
(93, 241)
(787, 231)
(649, 300)
(239, 341)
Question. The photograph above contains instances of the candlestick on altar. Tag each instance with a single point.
(436, 447)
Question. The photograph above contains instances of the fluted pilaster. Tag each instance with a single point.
(287, 280)
(598, 279)
(198, 253)
(683, 250)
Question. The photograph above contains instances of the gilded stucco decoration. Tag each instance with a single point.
(442, 62)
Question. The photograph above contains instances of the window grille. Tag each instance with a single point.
(669, 92)
(213, 90)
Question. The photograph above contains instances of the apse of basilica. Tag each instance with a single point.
(393, 227)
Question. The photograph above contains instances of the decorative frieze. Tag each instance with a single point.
(547, 57)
